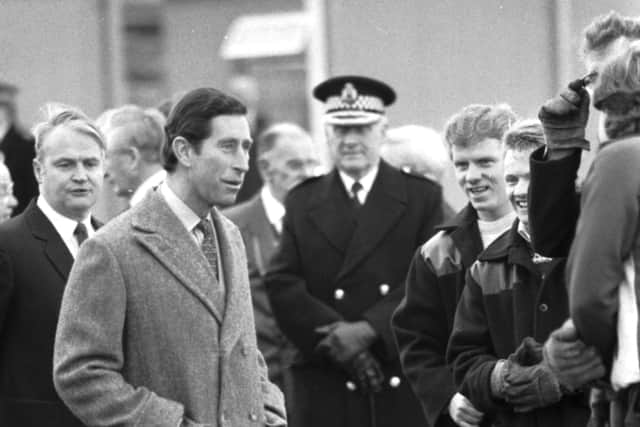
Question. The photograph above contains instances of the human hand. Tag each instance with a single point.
(463, 413)
(343, 340)
(528, 353)
(366, 370)
(573, 363)
(525, 388)
(565, 117)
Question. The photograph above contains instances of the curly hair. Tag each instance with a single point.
(605, 29)
(477, 122)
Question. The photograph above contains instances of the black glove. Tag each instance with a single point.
(565, 116)
(525, 388)
(366, 371)
(571, 361)
(344, 340)
(528, 353)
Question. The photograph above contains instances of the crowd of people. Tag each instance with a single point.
(352, 298)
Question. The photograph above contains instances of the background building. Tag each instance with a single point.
(438, 55)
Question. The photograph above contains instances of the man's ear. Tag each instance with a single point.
(183, 150)
(37, 170)
(135, 156)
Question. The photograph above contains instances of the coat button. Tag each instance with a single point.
(338, 294)
(384, 289)
(244, 350)
(253, 417)
(543, 307)
(394, 382)
(350, 386)
(223, 417)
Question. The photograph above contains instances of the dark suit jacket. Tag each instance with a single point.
(336, 265)
(261, 239)
(34, 265)
(18, 150)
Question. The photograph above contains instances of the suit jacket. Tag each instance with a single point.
(18, 150)
(334, 264)
(261, 240)
(34, 265)
(144, 337)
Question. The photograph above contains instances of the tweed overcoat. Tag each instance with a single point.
(336, 264)
(261, 240)
(144, 337)
(34, 266)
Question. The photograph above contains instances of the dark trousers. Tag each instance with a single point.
(625, 407)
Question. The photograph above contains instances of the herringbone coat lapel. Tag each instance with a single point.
(159, 230)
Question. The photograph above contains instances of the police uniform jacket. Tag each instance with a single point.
(336, 263)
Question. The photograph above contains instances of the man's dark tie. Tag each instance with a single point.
(80, 233)
(356, 187)
(209, 244)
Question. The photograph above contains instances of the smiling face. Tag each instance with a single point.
(70, 171)
(517, 178)
(480, 174)
(355, 149)
(216, 169)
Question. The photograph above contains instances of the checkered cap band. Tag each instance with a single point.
(365, 103)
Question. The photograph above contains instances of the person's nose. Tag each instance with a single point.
(12, 202)
(521, 188)
(80, 174)
(241, 161)
(473, 173)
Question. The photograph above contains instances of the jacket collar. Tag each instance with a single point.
(463, 230)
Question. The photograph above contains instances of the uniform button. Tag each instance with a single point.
(244, 350)
(350, 385)
(384, 289)
(543, 307)
(338, 294)
(394, 382)
(253, 417)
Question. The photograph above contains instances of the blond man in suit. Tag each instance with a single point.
(156, 325)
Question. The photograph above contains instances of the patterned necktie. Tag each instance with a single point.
(80, 233)
(355, 189)
(209, 244)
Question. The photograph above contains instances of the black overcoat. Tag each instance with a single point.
(34, 266)
(336, 264)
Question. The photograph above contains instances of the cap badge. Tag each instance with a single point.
(349, 94)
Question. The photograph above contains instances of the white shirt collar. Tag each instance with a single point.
(273, 208)
(147, 185)
(64, 226)
(366, 182)
(185, 214)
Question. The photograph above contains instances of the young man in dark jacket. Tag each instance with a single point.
(423, 321)
(513, 299)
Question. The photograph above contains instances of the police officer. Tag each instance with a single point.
(347, 240)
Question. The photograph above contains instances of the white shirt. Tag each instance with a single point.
(490, 230)
(147, 185)
(65, 226)
(190, 220)
(273, 208)
(366, 182)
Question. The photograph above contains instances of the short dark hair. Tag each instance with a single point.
(605, 29)
(191, 118)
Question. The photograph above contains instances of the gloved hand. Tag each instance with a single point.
(528, 353)
(463, 413)
(525, 388)
(344, 340)
(365, 369)
(565, 116)
(572, 362)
